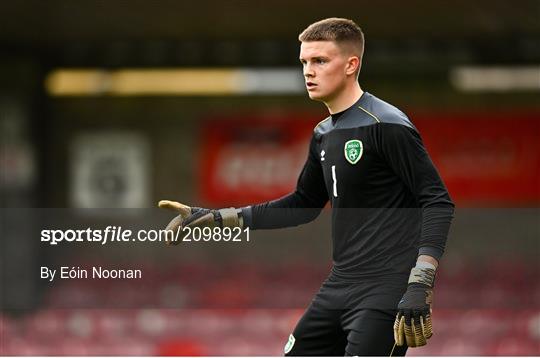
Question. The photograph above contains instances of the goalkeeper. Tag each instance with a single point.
(390, 210)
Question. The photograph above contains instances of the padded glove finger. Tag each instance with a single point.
(419, 337)
(428, 327)
(399, 330)
(182, 209)
(409, 333)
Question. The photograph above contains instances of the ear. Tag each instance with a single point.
(352, 65)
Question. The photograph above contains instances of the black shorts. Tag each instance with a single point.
(353, 319)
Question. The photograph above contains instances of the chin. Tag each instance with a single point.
(316, 97)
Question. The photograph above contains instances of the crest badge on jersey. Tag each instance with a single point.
(354, 150)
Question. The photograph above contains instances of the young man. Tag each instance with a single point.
(390, 210)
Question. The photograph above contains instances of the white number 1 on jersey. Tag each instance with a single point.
(335, 180)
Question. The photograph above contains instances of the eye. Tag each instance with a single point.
(320, 61)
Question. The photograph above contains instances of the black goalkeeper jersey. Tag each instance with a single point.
(389, 204)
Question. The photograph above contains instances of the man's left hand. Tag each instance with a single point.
(413, 322)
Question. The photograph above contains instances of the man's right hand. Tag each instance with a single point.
(199, 217)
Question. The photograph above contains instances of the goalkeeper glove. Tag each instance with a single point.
(200, 217)
(413, 321)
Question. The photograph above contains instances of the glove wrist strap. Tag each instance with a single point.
(240, 218)
(230, 217)
(422, 274)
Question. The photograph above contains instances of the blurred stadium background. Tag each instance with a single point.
(117, 104)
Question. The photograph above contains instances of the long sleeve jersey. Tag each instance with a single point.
(388, 201)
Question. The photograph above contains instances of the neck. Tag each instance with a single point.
(347, 98)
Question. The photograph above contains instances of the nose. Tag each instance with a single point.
(308, 71)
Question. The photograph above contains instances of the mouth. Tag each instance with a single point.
(311, 85)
